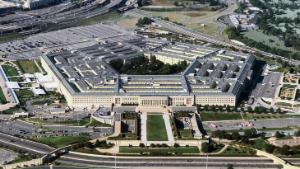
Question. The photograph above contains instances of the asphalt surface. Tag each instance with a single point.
(165, 162)
(25, 145)
(31, 21)
(258, 124)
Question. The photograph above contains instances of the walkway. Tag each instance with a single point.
(166, 118)
(144, 128)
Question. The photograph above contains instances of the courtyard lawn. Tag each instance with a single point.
(2, 97)
(61, 141)
(27, 66)
(186, 134)
(159, 150)
(9, 70)
(156, 130)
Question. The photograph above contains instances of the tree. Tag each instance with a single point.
(269, 148)
(236, 135)
(284, 150)
(250, 133)
(89, 145)
(297, 133)
(229, 166)
(205, 147)
(144, 21)
(279, 134)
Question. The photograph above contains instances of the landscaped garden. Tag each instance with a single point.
(287, 92)
(156, 130)
(182, 126)
(154, 66)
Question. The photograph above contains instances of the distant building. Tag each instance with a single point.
(245, 22)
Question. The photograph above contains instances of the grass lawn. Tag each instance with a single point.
(218, 116)
(9, 70)
(213, 116)
(210, 28)
(24, 95)
(241, 151)
(2, 97)
(27, 66)
(41, 102)
(95, 123)
(259, 144)
(82, 122)
(186, 134)
(159, 150)
(16, 79)
(156, 130)
(61, 141)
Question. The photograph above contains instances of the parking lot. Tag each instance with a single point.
(258, 124)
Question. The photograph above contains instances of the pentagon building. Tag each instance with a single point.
(84, 76)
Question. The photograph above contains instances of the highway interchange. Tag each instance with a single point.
(186, 31)
(30, 22)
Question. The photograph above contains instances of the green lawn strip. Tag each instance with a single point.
(27, 66)
(240, 151)
(157, 150)
(2, 97)
(218, 116)
(42, 102)
(156, 130)
(16, 79)
(95, 123)
(214, 116)
(9, 70)
(81, 122)
(88, 151)
(61, 141)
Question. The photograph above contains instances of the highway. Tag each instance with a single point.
(139, 161)
(186, 31)
(63, 13)
(24, 145)
(167, 162)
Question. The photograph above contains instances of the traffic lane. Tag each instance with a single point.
(172, 164)
(25, 144)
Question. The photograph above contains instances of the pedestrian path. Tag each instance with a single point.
(166, 118)
(144, 128)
